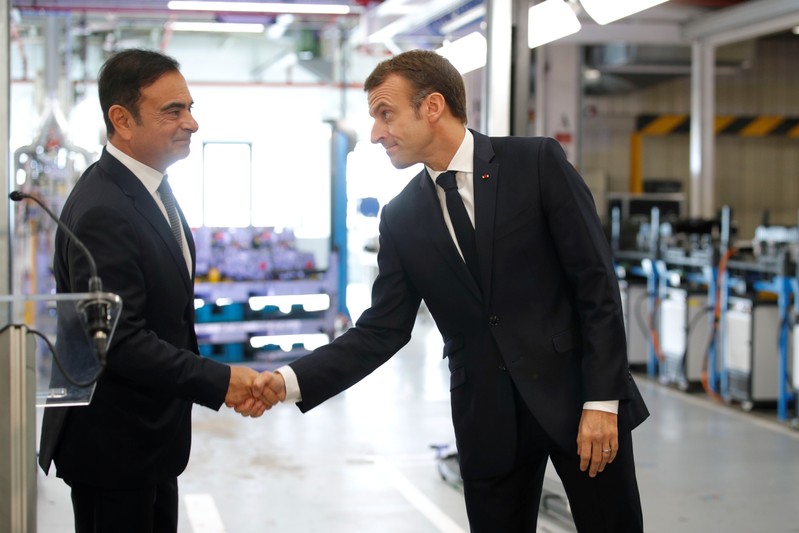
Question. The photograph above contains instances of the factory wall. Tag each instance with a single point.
(752, 174)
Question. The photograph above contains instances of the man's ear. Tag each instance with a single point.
(434, 106)
(122, 119)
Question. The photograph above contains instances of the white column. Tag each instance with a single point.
(702, 136)
(497, 85)
(557, 112)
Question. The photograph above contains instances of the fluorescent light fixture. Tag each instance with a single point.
(463, 19)
(222, 27)
(309, 341)
(549, 21)
(258, 7)
(467, 53)
(282, 22)
(284, 302)
(604, 11)
(592, 74)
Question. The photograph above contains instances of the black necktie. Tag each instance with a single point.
(464, 231)
(171, 210)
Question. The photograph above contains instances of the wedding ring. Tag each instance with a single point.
(605, 451)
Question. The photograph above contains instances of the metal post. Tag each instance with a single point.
(521, 82)
(712, 276)
(653, 289)
(783, 302)
(5, 216)
(17, 431)
(723, 299)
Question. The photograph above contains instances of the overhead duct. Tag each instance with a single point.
(621, 67)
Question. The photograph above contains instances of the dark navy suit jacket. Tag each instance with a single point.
(546, 314)
(137, 429)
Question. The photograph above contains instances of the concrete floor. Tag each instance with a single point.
(362, 462)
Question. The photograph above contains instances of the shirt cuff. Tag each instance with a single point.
(609, 406)
(292, 385)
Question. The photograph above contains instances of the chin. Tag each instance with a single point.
(399, 164)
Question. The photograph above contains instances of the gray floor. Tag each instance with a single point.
(362, 462)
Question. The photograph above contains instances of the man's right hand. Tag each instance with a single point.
(270, 388)
(240, 396)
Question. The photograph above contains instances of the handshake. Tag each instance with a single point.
(251, 394)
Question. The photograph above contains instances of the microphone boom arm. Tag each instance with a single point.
(96, 312)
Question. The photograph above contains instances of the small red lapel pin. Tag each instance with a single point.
(485, 176)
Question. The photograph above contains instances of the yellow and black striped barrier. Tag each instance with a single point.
(742, 126)
(756, 126)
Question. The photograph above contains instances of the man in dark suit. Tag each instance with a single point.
(122, 453)
(532, 325)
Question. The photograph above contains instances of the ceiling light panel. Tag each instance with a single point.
(258, 7)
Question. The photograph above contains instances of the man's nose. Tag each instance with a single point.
(191, 124)
(377, 133)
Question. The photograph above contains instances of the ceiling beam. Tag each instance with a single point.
(422, 14)
(743, 21)
(649, 32)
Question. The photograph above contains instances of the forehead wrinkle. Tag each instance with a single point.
(375, 106)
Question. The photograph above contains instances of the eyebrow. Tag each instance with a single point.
(375, 109)
(176, 105)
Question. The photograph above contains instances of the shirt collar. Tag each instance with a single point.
(462, 161)
(149, 177)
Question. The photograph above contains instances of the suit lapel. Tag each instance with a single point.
(143, 202)
(433, 228)
(486, 177)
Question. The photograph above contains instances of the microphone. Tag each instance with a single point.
(96, 311)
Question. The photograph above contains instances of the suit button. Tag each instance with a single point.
(493, 320)
(502, 367)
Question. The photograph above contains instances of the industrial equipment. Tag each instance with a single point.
(636, 320)
(751, 351)
(684, 337)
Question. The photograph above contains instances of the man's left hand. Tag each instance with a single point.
(597, 440)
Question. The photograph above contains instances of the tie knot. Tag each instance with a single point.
(447, 180)
(164, 188)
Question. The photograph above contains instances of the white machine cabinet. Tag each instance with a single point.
(684, 337)
(751, 344)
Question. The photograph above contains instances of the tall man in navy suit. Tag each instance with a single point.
(529, 309)
(121, 454)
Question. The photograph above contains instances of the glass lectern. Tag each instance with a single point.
(47, 359)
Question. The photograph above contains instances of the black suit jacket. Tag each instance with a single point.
(137, 429)
(547, 315)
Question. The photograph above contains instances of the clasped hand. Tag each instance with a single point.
(251, 394)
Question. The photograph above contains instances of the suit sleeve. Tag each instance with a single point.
(150, 313)
(584, 253)
(379, 333)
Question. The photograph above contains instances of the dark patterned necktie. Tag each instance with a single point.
(464, 231)
(171, 210)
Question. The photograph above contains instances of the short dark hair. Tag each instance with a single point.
(125, 74)
(428, 72)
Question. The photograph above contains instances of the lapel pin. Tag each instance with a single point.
(485, 176)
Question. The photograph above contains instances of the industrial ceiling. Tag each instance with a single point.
(645, 48)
